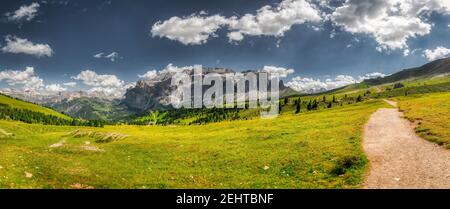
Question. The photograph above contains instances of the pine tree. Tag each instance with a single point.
(280, 108)
(359, 99)
(286, 101)
(315, 105)
(297, 107)
(324, 99)
(334, 99)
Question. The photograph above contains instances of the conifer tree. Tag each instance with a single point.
(315, 105)
(280, 107)
(309, 106)
(297, 107)
(359, 99)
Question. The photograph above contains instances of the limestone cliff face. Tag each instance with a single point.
(149, 94)
(154, 93)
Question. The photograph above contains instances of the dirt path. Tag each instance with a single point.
(392, 103)
(399, 158)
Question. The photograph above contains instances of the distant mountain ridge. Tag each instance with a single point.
(90, 108)
(437, 67)
(42, 98)
(153, 94)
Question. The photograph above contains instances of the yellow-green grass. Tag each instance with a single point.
(431, 112)
(427, 81)
(14, 103)
(361, 88)
(319, 149)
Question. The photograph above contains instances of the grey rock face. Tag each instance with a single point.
(154, 93)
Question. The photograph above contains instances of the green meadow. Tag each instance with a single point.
(318, 149)
(431, 114)
(14, 103)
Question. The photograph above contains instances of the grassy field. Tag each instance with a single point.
(431, 112)
(319, 149)
(29, 106)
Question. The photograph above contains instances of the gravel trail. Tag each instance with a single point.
(399, 158)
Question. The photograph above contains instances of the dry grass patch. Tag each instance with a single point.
(99, 137)
(4, 134)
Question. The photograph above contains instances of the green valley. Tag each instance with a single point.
(316, 141)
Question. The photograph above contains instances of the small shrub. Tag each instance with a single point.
(346, 163)
(359, 98)
(398, 85)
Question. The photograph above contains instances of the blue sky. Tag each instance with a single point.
(318, 47)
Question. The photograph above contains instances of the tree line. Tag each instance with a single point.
(195, 116)
(198, 116)
(316, 104)
(29, 116)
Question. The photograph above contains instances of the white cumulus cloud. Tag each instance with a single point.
(310, 85)
(26, 78)
(235, 36)
(282, 72)
(268, 21)
(107, 84)
(191, 30)
(371, 76)
(437, 53)
(24, 13)
(391, 23)
(273, 21)
(17, 45)
(91, 78)
(170, 68)
(70, 84)
(55, 88)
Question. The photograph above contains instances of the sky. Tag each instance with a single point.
(107, 45)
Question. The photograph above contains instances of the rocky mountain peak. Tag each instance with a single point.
(154, 93)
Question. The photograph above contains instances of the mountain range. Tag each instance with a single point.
(147, 94)
(154, 93)
(434, 68)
